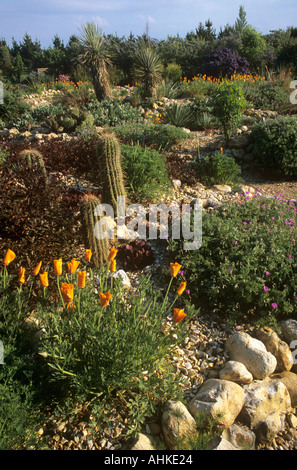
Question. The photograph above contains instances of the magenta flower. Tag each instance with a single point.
(230, 271)
(266, 288)
(235, 242)
(267, 273)
(289, 256)
(274, 305)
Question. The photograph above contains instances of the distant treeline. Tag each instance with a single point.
(269, 52)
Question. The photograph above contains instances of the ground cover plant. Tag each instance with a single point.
(245, 268)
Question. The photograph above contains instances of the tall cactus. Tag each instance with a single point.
(108, 158)
(33, 160)
(99, 248)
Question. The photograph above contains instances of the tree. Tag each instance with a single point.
(95, 57)
(253, 47)
(241, 22)
(148, 69)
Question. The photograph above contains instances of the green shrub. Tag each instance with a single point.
(228, 105)
(245, 268)
(14, 105)
(160, 136)
(217, 169)
(268, 95)
(112, 113)
(145, 170)
(276, 144)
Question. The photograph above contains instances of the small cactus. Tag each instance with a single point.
(33, 160)
(108, 157)
(99, 248)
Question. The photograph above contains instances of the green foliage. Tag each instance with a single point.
(276, 144)
(146, 171)
(228, 105)
(114, 353)
(148, 69)
(160, 136)
(178, 115)
(14, 105)
(245, 268)
(218, 169)
(113, 113)
(268, 95)
(253, 46)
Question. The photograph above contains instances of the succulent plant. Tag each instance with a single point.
(99, 247)
(33, 160)
(135, 255)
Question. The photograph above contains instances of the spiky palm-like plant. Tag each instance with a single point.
(95, 57)
(148, 69)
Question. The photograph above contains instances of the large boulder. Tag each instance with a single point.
(289, 379)
(236, 372)
(277, 347)
(252, 353)
(220, 399)
(177, 423)
(266, 404)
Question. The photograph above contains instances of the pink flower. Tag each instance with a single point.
(267, 273)
(274, 305)
(265, 288)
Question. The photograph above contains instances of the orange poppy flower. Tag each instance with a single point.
(112, 254)
(81, 280)
(22, 275)
(37, 269)
(9, 257)
(44, 279)
(67, 291)
(105, 299)
(72, 266)
(181, 288)
(88, 255)
(113, 266)
(58, 266)
(178, 314)
(174, 269)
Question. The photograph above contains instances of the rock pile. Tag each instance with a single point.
(253, 396)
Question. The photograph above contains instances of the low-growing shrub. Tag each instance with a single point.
(113, 112)
(267, 95)
(222, 63)
(218, 169)
(245, 268)
(160, 136)
(275, 144)
(145, 171)
(13, 106)
(179, 115)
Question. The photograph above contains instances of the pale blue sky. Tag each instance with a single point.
(42, 19)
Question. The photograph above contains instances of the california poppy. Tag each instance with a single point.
(67, 291)
(22, 275)
(178, 314)
(174, 269)
(113, 266)
(81, 280)
(88, 255)
(112, 254)
(44, 279)
(58, 266)
(9, 257)
(105, 299)
(181, 288)
(72, 266)
(37, 269)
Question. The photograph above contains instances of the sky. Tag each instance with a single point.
(43, 19)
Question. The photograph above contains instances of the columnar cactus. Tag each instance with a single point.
(108, 158)
(33, 159)
(99, 247)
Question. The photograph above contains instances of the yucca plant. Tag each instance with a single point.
(179, 115)
(95, 57)
(148, 69)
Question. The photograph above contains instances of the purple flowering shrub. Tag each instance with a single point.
(276, 144)
(246, 267)
(222, 63)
